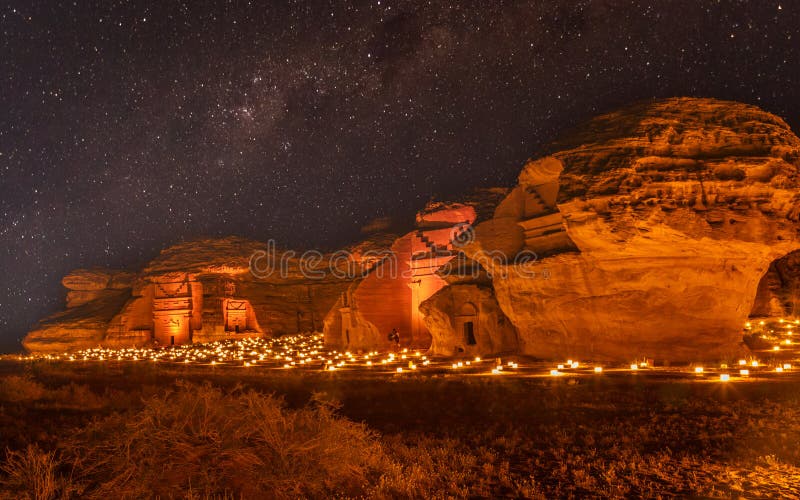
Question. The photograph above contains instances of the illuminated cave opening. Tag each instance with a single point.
(466, 322)
(774, 320)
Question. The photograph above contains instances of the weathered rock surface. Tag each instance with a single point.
(656, 224)
(779, 290)
(646, 233)
(465, 319)
(78, 327)
(390, 295)
(86, 285)
(202, 291)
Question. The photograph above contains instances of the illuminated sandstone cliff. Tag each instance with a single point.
(653, 228)
(390, 296)
(94, 297)
(198, 291)
(667, 216)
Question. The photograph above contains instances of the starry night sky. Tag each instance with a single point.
(129, 126)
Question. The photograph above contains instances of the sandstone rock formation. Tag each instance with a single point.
(465, 319)
(94, 297)
(389, 297)
(653, 225)
(652, 232)
(779, 290)
(200, 291)
(86, 285)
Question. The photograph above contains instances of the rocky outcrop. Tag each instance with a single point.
(646, 233)
(465, 320)
(652, 228)
(94, 296)
(390, 295)
(86, 285)
(778, 293)
(202, 291)
(78, 327)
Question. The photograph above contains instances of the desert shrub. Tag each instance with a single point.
(428, 467)
(245, 444)
(25, 389)
(32, 473)
(75, 396)
(20, 388)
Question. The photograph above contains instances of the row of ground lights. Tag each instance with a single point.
(308, 351)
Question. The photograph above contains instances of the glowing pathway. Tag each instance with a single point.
(306, 353)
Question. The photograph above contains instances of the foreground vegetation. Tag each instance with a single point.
(134, 431)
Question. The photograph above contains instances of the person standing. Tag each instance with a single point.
(394, 336)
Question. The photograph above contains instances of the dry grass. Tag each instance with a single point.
(202, 440)
(76, 397)
(18, 388)
(439, 438)
(33, 473)
(24, 389)
(444, 468)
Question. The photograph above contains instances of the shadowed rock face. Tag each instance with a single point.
(465, 320)
(666, 217)
(94, 297)
(779, 290)
(79, 327)
(86, 285)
